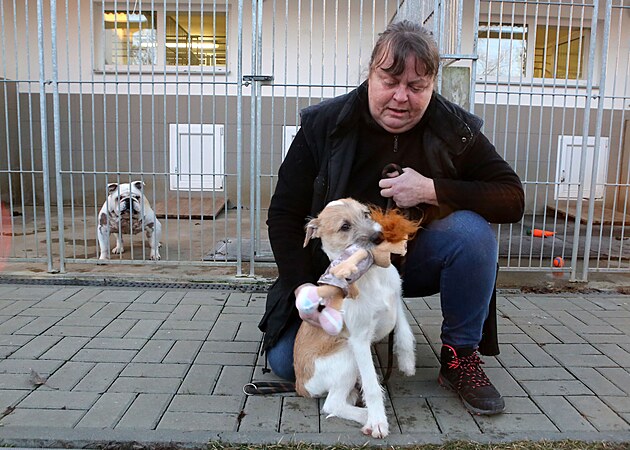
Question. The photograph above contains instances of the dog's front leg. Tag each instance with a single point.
(103, 242)
(376, 424)
(102, 233)
(154, 233)
(404, 342)
(119, 249)
(157, 239)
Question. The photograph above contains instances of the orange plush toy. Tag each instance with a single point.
(321, 304)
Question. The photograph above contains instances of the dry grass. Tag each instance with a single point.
(455, 445)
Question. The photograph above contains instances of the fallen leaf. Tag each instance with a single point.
(37, 380)
(7, 411)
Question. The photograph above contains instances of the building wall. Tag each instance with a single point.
(323, 43)
(116, 124)
(127, 137)
(105, 138)
(527, 137)
(10, 145)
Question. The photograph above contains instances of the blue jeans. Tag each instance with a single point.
(455, 256)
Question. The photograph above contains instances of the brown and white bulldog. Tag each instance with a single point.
(127, 210)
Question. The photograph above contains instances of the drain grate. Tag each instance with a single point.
(235, 286)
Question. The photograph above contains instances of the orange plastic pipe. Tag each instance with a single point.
(537, 232)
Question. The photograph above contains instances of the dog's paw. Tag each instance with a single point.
(376, 429)
(118, 250)
(155, 256)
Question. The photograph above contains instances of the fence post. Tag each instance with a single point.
(57, 135)
(585, 128)
(598, 132)
(239, 142)
(44, 130)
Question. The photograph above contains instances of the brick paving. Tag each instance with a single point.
(82, 366)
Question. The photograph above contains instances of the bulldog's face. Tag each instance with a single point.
(125, 199)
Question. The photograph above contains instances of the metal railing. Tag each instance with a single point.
(550, 79)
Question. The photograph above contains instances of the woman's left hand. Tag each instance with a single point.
(409, 189)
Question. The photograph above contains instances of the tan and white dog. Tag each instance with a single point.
(127, 210)
(332, 366)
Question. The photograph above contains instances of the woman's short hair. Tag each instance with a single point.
(402, 39)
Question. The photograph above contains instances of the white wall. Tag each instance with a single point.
(617, 82)
(303, 45)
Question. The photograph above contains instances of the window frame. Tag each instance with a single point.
(159, 66)
(530, 49)
(584, 64)
(508, 41)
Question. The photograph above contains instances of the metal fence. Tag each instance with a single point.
(199, 101)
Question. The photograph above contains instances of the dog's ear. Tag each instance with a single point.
(111, 187)
(138, 184)
(311, 231)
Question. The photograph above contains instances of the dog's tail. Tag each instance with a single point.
(268, 387)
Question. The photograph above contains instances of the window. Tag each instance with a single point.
(502, 50)
(195, 39)
(559, 52)
(544, 51)
(130, 38)
(165, 38)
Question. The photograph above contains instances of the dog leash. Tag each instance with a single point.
(385, 173)
(268, 387)
(387, 170)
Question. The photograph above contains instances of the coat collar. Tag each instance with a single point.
(351, 111)
(454, 125)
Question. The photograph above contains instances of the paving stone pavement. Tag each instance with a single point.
(86, 365)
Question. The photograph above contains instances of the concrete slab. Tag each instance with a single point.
(167, 365)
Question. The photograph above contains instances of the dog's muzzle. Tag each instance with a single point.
(124, 205)
(377, 238)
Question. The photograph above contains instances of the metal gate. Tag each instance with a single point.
(199, 100)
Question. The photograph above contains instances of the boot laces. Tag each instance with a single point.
(470, 373)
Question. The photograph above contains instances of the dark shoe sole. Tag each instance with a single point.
(480, 412)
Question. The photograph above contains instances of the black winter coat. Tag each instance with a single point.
(468, 174)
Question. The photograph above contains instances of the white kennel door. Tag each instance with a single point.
(289, 134)
(568, 167)
(196, 157)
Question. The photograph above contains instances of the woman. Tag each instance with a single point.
(452, 179)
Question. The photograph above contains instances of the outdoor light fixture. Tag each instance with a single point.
(204, 45)
(124, 17)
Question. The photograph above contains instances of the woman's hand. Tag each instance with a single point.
(409, 188)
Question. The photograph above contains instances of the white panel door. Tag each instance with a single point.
(289, 134)
(197, 157)
(568, 167)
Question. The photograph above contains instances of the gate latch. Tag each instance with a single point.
(248, 79)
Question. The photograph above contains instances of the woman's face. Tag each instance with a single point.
(397, 103)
